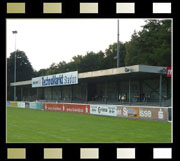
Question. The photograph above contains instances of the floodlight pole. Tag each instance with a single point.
(15, 32)
(118, 46)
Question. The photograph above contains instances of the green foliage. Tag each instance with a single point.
(151, 46)
(90, 62)
(111, 53)
(24, 71)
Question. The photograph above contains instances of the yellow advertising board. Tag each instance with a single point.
(13, 104)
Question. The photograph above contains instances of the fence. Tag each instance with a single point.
(122, 111)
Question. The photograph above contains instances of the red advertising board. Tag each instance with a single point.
(53, 107)
(76, 108)
(168, 71)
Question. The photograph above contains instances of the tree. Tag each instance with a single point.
(151, 46)
(111, 53)
(24, 70)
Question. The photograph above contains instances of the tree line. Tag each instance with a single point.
(150, 46)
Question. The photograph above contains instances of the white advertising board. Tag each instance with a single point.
(32, 105)
(21, 104)
(56, 80)
(105, 110)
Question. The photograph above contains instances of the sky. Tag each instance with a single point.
(47, 41)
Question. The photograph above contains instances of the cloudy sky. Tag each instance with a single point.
(47, 41)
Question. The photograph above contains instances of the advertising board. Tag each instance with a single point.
(76, 108)
(13, 104)
(168, 72)
(129, 112)
(8, 103)
(145, 113)
(56, 80)
(32, 105)
(39, 105)
(153, 114)
(106, 110)
(53, 107)
(21, 104)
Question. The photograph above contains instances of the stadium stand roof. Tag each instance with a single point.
(111, 72)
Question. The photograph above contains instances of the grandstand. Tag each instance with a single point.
(132, 85)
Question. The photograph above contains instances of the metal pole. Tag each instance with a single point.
(71, 93)
(21, 93)
(129, 91)
(86, 92)
(15, 68)
(37, 93)
(118, 46)
(106, 91)
(160, 90)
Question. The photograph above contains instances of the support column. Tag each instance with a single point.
(160, 90)
(28, 93)
(86, 92)
(37, 93)
(117, 87)
(167, 87)
(61, 93)
(51, 89)
(106, 91)
(129, 91)
(140, 90)
(21, 93)
(71, 93)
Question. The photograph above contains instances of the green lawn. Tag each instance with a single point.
(27, 126)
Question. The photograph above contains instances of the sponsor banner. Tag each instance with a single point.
(56, 80)
(160, 114)
(53, 107)
(37, 82)
(168, 72)
(21, 104)
(39, 105)
(153, 114)
(26, 104)
(76, 108)
(129, 112)
(32, 105)
(13, 104)
(8, 103)
(105, 110)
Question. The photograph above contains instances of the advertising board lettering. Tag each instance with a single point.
(105, 110)
(76, 108)
(129, 112)
(145, 113)
(160, 114)
(56, 80)
(168, 72)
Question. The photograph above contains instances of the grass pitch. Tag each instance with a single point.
(35, 126)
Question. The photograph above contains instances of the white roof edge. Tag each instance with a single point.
(28, 82)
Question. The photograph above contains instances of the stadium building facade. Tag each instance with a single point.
(132, 85)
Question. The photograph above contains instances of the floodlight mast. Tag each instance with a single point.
(15, 32)
(118, 46)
